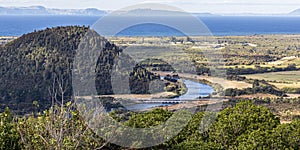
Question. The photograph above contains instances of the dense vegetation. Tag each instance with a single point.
(38, 67)
(201, 70)
(32, 62)
(244, 126)
(257, 87)
(156, 65)
(258, 69)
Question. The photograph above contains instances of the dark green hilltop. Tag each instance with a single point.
(34, 64)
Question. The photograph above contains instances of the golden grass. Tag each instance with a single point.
(285, 76)
(286, 79)
(282, 63)
(286, 85)
(258, 95)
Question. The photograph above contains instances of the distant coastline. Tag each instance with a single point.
(218, 25)
(41, 10)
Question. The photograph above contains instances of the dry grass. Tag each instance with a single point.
(286, 76)
(286, 85)
(290, 79)
(282, 63)
(286, 111)
(292, 96)
(259, 95)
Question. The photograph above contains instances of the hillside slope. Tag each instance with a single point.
(36, 66)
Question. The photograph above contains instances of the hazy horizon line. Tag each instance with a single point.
(192, 12)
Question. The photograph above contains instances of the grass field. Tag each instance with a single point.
(286, 76)
(290, 79)
(282, 63)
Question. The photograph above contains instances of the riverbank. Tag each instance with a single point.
(224, 83)
(144, 102)
(197, 104)
(142, 96)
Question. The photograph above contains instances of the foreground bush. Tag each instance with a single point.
(9, 136)
(57, 128)
(245, 126)
(239, 121)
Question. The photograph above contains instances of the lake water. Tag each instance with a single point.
(218, 25)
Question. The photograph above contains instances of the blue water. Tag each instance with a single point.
(195, 90)
(239, 25)
(18, 25)
(218, 25)
(150, 29)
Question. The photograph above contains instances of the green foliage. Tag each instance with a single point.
(257, 139)
(57, 128)
(197, 145)
(31, 63)
(195, 133)
(286, 136)
(148, 119)
(258, 69)
(140, 79)
(245, 126)
(257, 89)
(9, 136)
(156, 65)
(240, 120)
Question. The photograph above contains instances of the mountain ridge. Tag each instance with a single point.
(295, 12)
(40, 10)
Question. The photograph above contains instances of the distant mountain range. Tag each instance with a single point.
(154, 12)
(295, 12)
(40, 10)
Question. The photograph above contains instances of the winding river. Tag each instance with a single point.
(195, 90)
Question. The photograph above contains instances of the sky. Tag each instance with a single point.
(211, 6)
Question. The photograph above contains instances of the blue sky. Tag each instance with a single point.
(212, 6)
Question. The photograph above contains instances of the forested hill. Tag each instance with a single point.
(37, 65)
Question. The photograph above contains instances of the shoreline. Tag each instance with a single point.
(212, 81)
